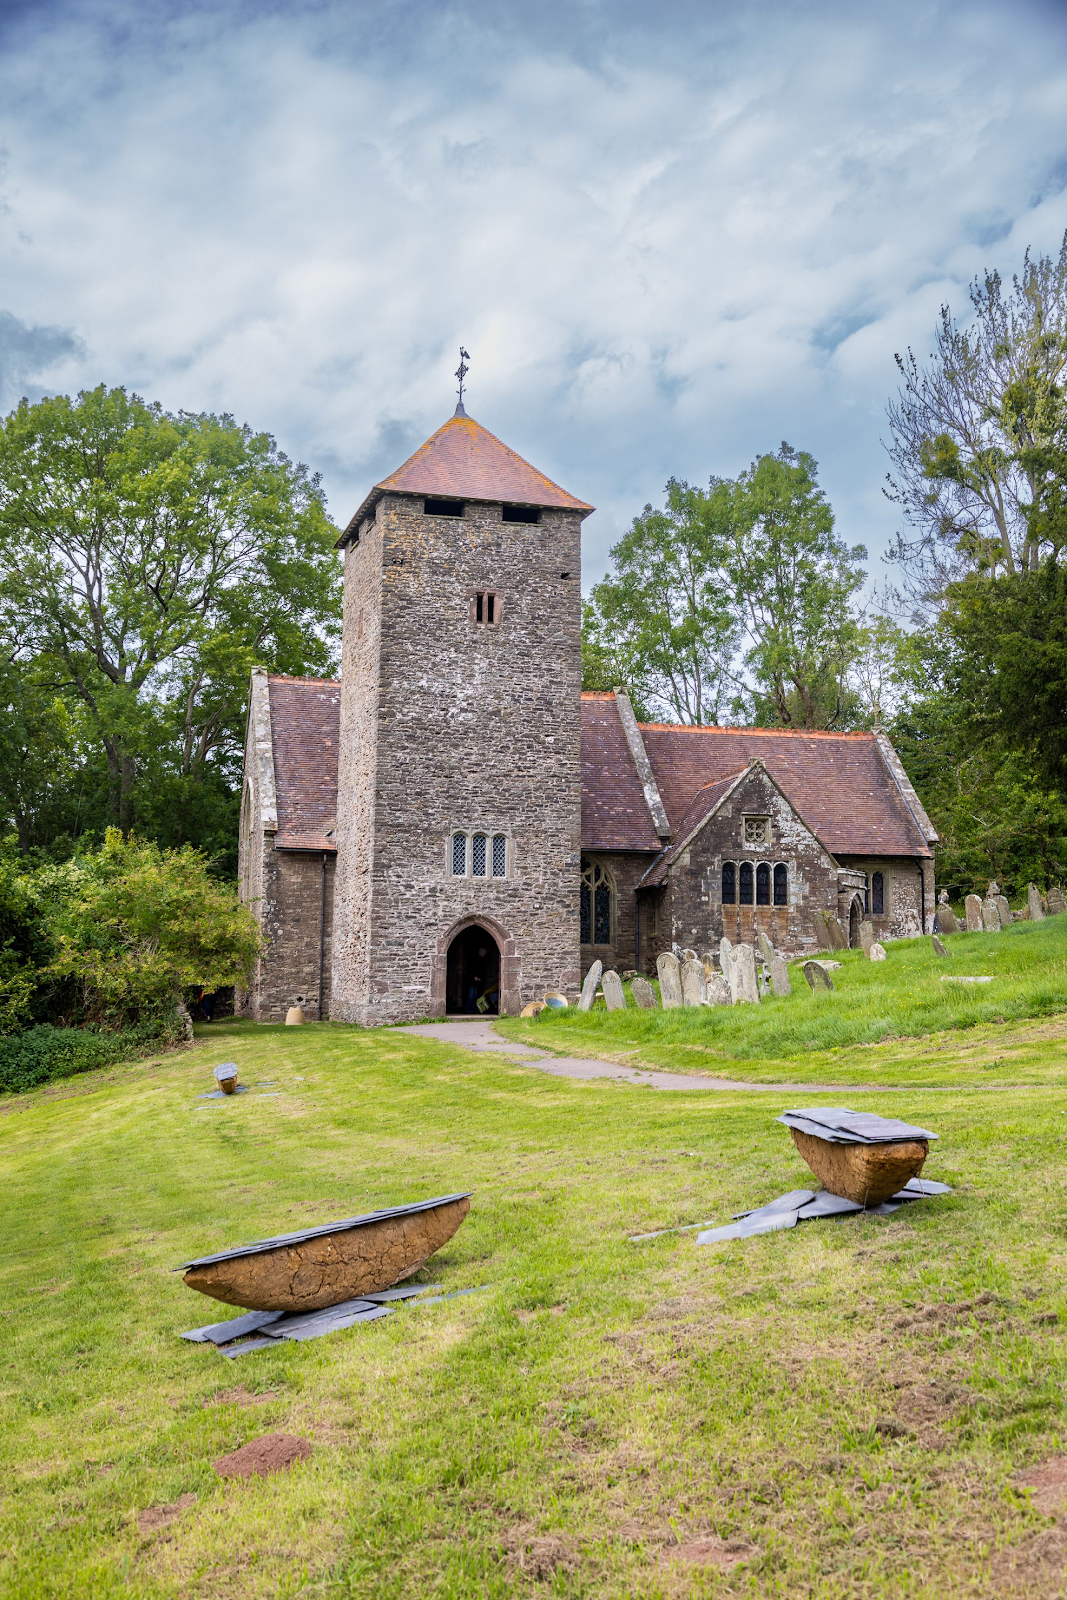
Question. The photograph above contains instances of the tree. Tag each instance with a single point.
(149, 559)
(978, 436)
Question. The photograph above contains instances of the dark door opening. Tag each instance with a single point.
(473, 979)
(854, 925)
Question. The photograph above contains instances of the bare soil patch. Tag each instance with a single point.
(274, 1452)
(154, 1518)
(539, 1555)
(711, 1552)
(1048, 1483)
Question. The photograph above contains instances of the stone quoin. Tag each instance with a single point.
(455, 827)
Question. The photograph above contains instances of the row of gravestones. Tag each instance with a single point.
(993, 913)
(687, 980)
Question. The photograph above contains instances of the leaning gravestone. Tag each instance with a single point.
(1057, 902)
(817, 976)
(670, 982)
(1004, 910)
(725, 947)
(866, 936)
(947, 918)
(693, 982)
(614, 994)
(939, 949)
(990, 916)
(973, 904)
(766, 947)
(1033, 900)
(718, 991)
(744, 988)
(877, 952)
(590, 986)
(689, 955)
(780, 976)
(835, 933)
(643, 993)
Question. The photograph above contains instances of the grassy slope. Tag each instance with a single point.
(837, 1038)
(645, 1394)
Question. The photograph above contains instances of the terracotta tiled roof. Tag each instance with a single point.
(838, 782)
(305, 715)
(703, 803)
(615, 813)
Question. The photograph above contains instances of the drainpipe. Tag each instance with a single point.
(922, 897)
(637, 931)
(322, 931)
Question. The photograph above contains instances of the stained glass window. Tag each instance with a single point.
(596, 904)
(781, 885)
(878, 894)
(500, 855)
(459, 855)
(763, 884)
(729, 883)
(478, 855)
(745, 883)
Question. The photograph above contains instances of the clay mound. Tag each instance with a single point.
(865, 1173)
(274, 1452)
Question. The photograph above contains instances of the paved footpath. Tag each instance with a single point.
(479, 1035)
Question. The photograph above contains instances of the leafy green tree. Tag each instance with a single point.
(148, 560)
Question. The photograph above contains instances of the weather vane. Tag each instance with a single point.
(461, 373)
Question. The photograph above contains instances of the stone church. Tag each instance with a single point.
(455, 826)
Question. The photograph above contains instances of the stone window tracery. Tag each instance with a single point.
(478, 854)
(597, 903)
(757, 830)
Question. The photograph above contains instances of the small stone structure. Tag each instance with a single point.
(643, 993)
(1057, 901)
(670, 981)
(975, 922)
(780, 983)
(694, 982)
(817, 976)
(877, 952)
(1033, 901)
(939, 949)
(614, 994)
(744, 988)
(590, 985)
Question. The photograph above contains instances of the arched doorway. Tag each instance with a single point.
(855, 916)
(472, 982)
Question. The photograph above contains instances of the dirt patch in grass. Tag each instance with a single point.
(240, 1396)
(156, 1517)
(1048, 1485)
(274, 1452)
(710, 1552)
(538, 1555)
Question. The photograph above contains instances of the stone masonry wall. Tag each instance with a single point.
(292, 913)
(446, 724)
(902, 918)
(626, 869)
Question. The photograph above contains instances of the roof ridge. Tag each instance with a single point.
(772, 733)
(290, 677)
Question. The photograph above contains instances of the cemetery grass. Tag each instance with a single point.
(887, 1022)
(846, 1407)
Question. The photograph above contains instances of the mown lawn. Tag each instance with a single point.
(848, 1403)
(891, 1021)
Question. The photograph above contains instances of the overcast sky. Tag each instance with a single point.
(670, 235)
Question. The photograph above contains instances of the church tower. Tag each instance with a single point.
(459, 796)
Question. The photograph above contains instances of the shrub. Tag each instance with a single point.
(41, 1054)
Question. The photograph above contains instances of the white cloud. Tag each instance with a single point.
(667, 244)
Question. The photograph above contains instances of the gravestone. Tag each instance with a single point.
(678, 953)
(710, 968)
(990, 916)
(1004, 910)
(877, 952)
(644, 994)
(614, 994)
(689, 955)
(670, 982)
(725, 946)
(718, 991)
(590, 986)
(993, 890)
(693, 982)
(866, 936)
(766, 947)
(744, 988)
(939, 949)
(1057, 901)
(835, 933)
(973, 904)
(780, 976)
(946, 917)
(817, 976)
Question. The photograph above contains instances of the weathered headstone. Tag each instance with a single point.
(1004, 910)
(780, 976)
(817, 976)
(866, 936)
(590, 986)
(946, 917)
(725, 946)
(939, 949)
(678, 953)
(993, 890)
(710, 965)
(614, 994)
(643, 993)
(766, 947)
(990, 916)
(718, 991)
(693, 982)
(670, 982)
(877, 952)
(1057, 901)
(744, 988)
(835, 933)
(689, 955)
(973, 904)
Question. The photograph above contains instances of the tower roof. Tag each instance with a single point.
(464, 461)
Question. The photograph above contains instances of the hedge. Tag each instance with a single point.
(42, 1054)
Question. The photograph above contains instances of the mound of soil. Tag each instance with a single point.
(274, 1452)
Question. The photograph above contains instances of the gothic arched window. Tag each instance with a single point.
(597, 903)
(781, 885)
(729, 883)
(744, 878)
(763, 884)
(877, 894)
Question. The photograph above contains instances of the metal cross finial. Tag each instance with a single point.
(461, 373)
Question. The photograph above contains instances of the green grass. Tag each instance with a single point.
(878, 1027)
(851, 1399)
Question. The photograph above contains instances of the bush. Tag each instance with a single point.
(44, 1053)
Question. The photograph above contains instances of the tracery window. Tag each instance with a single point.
(729, 883)
(596, 903)
(781, 885)
(757, 830)
(480, 855)
(744, 883)
(878, 894)
(763, 884)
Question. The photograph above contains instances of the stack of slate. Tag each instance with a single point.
(804, 1205)
(856, 1154)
